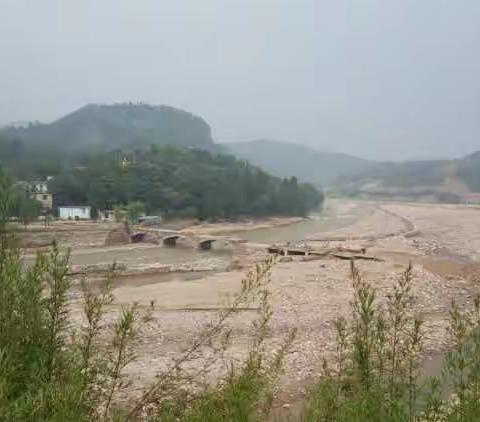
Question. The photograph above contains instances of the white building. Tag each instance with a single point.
(75, 212)
(106, 215)
(472, 198)
(39, 186)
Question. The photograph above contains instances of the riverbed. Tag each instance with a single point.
(306, 295)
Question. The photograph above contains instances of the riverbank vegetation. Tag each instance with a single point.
(191, 183)
(52, 370)
(168, 180)
(108, 156)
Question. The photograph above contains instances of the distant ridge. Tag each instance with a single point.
(288, 159)
(434, 180)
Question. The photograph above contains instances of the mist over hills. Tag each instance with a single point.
(345, 175)
(101, 128)
(434, 180)
(288, 159)
(41, 149)
(163, 157)
(106, 127)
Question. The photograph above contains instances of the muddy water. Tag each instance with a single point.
(329, 219)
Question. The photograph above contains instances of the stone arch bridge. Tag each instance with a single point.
(170, 238)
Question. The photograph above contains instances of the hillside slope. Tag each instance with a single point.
(183, 182)
(106, 127)
(286, 159)
(445, 180)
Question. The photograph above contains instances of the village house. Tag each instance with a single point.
(40, 186)
(106, 215)
(38, 190)
(472, 198)
(46, 199)
(74, 212)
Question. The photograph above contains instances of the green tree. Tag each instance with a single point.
(184, 182)
(134, 210)
(119, 213)
(28, 210)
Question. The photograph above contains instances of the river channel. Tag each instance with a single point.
(332, 217)
(328, 219)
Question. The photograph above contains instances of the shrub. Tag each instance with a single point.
(376, 365)
(53, 371)
(375, 373)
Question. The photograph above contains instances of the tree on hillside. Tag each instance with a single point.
(178, 182)
(70, 188)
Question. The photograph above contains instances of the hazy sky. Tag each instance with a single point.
(379, 78)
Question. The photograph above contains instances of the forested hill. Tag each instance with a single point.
(187, 182)
(107, 155)
(286, 159)
(106, 127)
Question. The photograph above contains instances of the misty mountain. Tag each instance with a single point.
(286, 159)
(444, 180)
(107, 127)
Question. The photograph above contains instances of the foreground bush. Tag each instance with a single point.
(51, 372)
(375, 374)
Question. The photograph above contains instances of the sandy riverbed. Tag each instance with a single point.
(307, 295)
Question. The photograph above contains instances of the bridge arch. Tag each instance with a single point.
(171, 240)
(206, 244)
